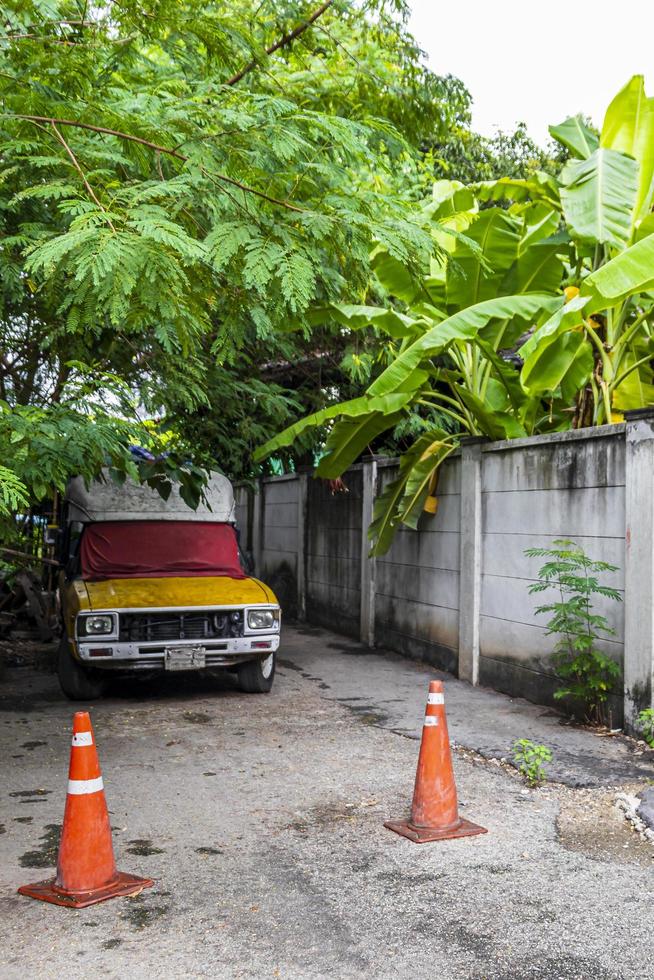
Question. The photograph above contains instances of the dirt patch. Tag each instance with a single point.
(46, 855)
(111, 943)
(368, 714)
(144, 848)
(589, 823)
(197, 717)
(351, 650)
(208, 850)
(328, 815)
(139, 915)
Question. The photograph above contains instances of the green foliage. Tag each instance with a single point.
(13, 493)
(174, 193)
(469, 157)
(172, 196)
(45, 445)
(535, 309)
(646, 725)
(529, 757)
(587, 673)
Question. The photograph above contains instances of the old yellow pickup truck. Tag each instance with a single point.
(150, 585)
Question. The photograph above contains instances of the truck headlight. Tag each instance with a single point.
(95, 625)
(262, 619)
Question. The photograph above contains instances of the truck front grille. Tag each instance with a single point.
(206, 625)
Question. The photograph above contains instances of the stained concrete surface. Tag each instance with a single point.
(261, 819)
(389, 690)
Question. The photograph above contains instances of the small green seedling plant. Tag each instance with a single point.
(646, 725)
(529, 758)
(587, 673)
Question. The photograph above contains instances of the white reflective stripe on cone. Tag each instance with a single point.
(431, 721)
(83, 738)
(435, 699)
(78, 787)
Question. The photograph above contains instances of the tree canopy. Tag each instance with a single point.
(182, 184)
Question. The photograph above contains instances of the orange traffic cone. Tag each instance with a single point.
(434, 811)
(86, 871)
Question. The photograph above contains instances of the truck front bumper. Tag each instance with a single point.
(113, 655)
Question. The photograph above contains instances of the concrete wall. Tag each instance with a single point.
(532, 493)
(333, 554)
(455, 592)
(277, 538)
(417, 580)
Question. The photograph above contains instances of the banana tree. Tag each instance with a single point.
(534, 313)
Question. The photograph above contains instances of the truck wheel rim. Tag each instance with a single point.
(267, 666)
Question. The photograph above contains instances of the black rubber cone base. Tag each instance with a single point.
(423, 835)
(122, 885)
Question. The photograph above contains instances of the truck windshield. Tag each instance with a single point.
(150, 549)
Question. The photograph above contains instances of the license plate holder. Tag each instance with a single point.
(185, 658)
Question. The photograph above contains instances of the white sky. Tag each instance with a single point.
(537, 63)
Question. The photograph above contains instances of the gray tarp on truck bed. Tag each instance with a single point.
(106, 501)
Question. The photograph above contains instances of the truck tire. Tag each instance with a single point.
(78, 683)
(256, 676)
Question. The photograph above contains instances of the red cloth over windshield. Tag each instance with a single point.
(153, 549)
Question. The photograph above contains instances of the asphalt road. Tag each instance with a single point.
(261, 819)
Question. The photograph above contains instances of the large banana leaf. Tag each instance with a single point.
(505, 373)
(540, 187)
(463, 325)
(472, 279)
(566, 317)
(366, 405)
(384, 514)
(636, 390)
(429, 452)
(576, 136)
(494, 424)
(556, 349)
(538, 221)
(599, 197)
(629, 128)
(450, 197)
(631, 271)
(403, 497)
(359, 317)
(349, 438)
(550, 365)
(539, 267)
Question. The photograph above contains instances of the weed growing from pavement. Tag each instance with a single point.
(646, 725)
(587, 673)
(529, 758)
